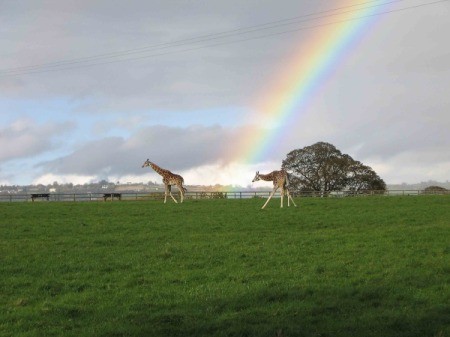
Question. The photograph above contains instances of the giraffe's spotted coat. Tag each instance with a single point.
(169, 179)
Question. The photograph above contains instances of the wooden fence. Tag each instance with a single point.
(106, 197)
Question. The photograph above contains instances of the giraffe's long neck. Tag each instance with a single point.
(158, 169)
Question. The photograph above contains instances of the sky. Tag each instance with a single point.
(215, 90)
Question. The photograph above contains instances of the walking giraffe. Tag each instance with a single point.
(280, 180)
(169, 179)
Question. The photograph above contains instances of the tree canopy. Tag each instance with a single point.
(322, 167)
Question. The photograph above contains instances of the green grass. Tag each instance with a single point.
(369, 266)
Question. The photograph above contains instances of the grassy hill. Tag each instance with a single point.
(369, 266)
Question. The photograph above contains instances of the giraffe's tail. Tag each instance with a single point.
(184, 188)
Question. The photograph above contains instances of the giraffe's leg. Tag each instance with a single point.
(282, 195)
(170, 193)
(270, 197)
(165, 193)
(180, 188)
(289, 197)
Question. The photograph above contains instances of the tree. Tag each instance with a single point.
(322, 167)
(362, 177)
(435, 190)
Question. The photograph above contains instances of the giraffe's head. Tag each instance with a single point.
(147, 163)
(256, 177)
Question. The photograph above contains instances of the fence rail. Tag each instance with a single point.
(106, 197)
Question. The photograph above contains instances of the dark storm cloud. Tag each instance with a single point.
(171, 147)
(54, 31)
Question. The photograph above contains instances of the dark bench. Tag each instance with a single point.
(40, 195)
(112, 196)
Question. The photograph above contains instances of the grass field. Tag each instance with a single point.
(369, 266)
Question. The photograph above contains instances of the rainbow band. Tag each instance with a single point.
(310, 68)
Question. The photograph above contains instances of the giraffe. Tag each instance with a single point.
(280, 180)
(169, 179)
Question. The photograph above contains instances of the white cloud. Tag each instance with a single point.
(25, 138)
(235, 174)
(50, 178)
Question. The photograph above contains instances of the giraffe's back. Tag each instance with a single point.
(173, 179)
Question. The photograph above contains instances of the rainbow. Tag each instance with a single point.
(289, 96)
